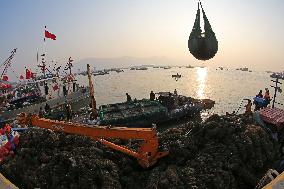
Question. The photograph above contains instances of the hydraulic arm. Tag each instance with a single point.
(147, 154)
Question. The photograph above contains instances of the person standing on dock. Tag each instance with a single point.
(128, 98)
(152, 96)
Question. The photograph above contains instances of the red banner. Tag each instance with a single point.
(28, 74)
(5, 78)
(49, 35)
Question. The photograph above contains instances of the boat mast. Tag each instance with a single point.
(43, 65)
(92, 96)
(7, 62)
(69, 65)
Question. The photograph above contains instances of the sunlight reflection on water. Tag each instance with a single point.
(201, 79)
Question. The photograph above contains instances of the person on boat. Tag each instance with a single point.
(41, 112)
(128, 97)
(47, 108)
(267, 97)
(248, 108)
(170, 102)
(152, 96)
(260, 95)
(65, 91)
(46, 89)
(257, 106)
(74, 87)
(175, 92)
(68, 110)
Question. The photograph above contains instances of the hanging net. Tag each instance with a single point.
(203, 46)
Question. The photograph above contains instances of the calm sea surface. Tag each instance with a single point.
(226, 87)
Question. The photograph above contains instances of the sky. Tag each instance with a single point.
(250, 33)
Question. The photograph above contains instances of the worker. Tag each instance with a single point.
(152, 96)
(41, 112)
(257, 105)
(46, 88)
(248, 108)
(175, 92)
(260, 95)
(267, 97)
(47, 108)
(128, 97)
(65, 91)
(68, 110)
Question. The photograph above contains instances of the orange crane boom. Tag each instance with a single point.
(147, 154)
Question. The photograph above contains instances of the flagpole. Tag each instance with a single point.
(43, 55)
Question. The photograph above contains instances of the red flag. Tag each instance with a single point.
(55, 87)
(28, 74)
(5, 78)
(33, 75)
(21, 77)
(49, 35)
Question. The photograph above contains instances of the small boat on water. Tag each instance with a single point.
(141, 68)
(176, 76)
(279, 75)
(167, 67)
(143, 113)
(96, 73)
(189, 66)
(245, 69)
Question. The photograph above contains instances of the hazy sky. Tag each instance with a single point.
(250, 33)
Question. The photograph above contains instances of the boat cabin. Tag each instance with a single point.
(56, 87)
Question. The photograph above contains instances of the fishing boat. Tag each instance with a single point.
(176, 76)
(143, 113)
(96, 73)
(141, 68)
(245, 69)
(167, 67)
(279, 75)
(54, 91)
(31, 95)
(189, 66)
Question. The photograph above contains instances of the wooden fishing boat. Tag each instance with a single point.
(143, 113)
(176, 76)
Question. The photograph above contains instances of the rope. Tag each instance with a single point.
(240, 106)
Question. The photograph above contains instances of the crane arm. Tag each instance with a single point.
(147, 154)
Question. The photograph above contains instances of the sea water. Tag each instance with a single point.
(227, 88)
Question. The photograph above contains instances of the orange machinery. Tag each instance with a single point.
(147, 154)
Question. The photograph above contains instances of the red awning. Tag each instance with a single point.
(273, 115)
